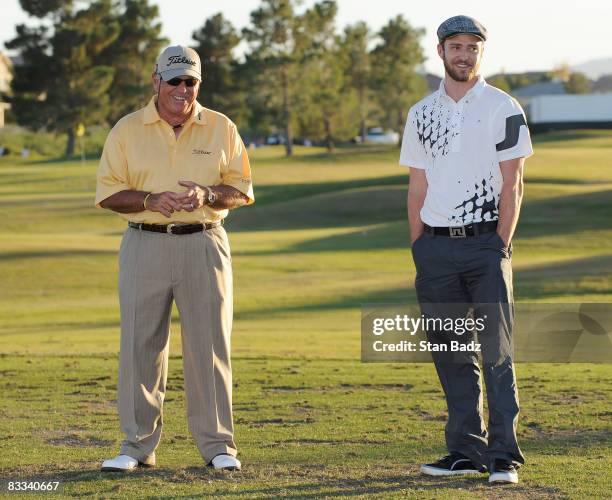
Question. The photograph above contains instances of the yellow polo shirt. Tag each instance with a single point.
(142, 153)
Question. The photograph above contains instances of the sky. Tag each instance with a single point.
(524, 35)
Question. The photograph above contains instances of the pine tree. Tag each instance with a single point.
(326, 110)
(132, 54)
(60, 83)
(222, 86)
(357, 62)
(277, 47)
(395, 81)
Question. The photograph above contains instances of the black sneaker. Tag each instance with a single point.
(503, 471)
(454, 464)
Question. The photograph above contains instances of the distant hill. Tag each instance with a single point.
(595, 68)
(533, 76)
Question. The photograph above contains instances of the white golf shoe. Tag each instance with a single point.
(121, 463)
(226, 462)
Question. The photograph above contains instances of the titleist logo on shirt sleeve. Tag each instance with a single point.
(180, 60)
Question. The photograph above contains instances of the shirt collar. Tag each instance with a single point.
(150, 113)
(475, 91)
(152, 116)
(200, 116)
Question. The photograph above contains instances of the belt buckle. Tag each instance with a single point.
(456, 231)
(169, 228)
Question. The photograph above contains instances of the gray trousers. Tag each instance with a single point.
(455, 275)
(194, 270)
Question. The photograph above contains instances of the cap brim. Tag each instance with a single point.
(477, 35)
(173, 73)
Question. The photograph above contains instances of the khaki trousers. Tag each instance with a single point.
(195, 271)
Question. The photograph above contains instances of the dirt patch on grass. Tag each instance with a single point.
(378, 387)
(286, 388)
(338, 442)
(535, 437)
(89, 383)
(80, 440)
(436, 417)
(341, 387)
(283, 422)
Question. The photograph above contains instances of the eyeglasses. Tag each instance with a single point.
(189, 82)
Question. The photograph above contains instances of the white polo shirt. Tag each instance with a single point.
(460, 145)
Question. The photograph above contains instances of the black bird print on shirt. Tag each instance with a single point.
(481, 205)
(435, 129)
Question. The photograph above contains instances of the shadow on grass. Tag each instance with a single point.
(66, 328)
(83, 200)
(276, 193)
(393, 235)
(5, 256)
(27, 179)
(533, 283)
(567, 214)
(567, 138)
(562, 215)
(564, 181)
(318, 483)
(64, 159)
(346, 487)
(562, 441)
(344, 154)
(391, 296)
(354, 207)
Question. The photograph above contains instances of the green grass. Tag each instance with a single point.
(47, 144)
(327, 234)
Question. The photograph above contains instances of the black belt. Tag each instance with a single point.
(463, 231)
(175, 228)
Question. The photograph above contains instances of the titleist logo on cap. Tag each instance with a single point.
(180, 60)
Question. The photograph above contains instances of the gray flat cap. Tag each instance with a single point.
(459, 25)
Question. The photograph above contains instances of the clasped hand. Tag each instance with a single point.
(168, 202)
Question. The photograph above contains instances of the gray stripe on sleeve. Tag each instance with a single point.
(513, 128)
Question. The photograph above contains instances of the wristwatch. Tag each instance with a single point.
(211, 197)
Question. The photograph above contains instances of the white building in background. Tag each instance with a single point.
(549, 107)
(569, 111)
(6, 77)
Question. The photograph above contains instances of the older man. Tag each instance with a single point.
(173, 169)
(466, 145)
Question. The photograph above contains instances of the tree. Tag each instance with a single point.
(222, 86)
(394, 61)
(61, 83)
(261, 103)
(327, 108)
(499, 81)
(562, 72)
(357, 68)
(43, 8)
(577, 83)
(509, 82)
(277, 47)
(132, 55)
